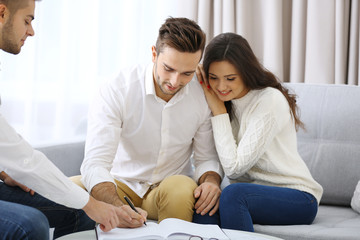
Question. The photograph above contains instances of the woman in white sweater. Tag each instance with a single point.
(254, 124)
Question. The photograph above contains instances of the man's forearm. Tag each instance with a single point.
(106, 192)
(210, 177)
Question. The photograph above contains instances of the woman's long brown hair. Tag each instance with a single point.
(235, 49)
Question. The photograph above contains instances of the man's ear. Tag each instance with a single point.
(153, 54)
(3, 12)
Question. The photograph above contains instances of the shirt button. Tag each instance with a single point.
(26, 161)
(47, 195)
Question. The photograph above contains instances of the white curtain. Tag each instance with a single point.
(79, 44)
(311, 41)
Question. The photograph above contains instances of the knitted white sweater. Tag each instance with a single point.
(260, 146)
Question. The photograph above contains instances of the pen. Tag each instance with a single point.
(132, 206)
(96, 232)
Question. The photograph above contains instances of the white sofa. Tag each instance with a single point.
(330, 147)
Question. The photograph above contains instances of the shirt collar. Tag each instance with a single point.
(149, 82)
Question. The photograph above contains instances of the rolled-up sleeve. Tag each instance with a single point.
(103, 136)
(205, 155)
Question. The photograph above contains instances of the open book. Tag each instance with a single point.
(170, 228)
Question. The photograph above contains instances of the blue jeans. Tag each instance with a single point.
(243, 204)
(65, 220)
(22, 222)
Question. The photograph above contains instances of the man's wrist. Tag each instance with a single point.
(106, 192)
(210, 176)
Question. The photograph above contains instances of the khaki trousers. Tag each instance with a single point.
(173, 197)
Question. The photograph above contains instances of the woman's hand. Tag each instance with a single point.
(216, 105)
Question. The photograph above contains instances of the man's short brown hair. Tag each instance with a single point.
(14, 5)
(182, 34)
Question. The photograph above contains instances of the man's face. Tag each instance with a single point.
(15, 28)
(173, 70)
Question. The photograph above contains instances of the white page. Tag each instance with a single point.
(152, 229)
(173, 225)
(163, 230)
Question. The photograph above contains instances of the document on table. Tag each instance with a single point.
(170, 228)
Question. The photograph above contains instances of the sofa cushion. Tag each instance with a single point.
(331, 223)
(67, 157)
(330, 145)
(355, 201)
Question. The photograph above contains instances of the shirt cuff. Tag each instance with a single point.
(208, 166)
(96, 176)
(79, 198)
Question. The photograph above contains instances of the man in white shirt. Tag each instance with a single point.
(24, 170)
(144, 127)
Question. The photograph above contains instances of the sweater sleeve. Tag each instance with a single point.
(261, 125)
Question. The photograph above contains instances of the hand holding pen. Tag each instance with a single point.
(133, 207)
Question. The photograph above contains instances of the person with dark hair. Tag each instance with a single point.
(254, 124)
(146, 125)
(25, 214)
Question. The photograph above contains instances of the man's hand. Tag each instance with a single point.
(11, 182)
(130, 218)
(208, 193)
(109, 216)
(106, 192)
(105, 214)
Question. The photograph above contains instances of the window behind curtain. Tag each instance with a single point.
(78, 45)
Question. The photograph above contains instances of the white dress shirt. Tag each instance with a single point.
(139, 139)
(31, 168)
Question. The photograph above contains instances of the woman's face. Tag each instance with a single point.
(225, 81)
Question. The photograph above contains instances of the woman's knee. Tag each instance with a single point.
(235, 192)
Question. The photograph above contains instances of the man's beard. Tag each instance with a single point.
(9, 44)
(162, 86)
